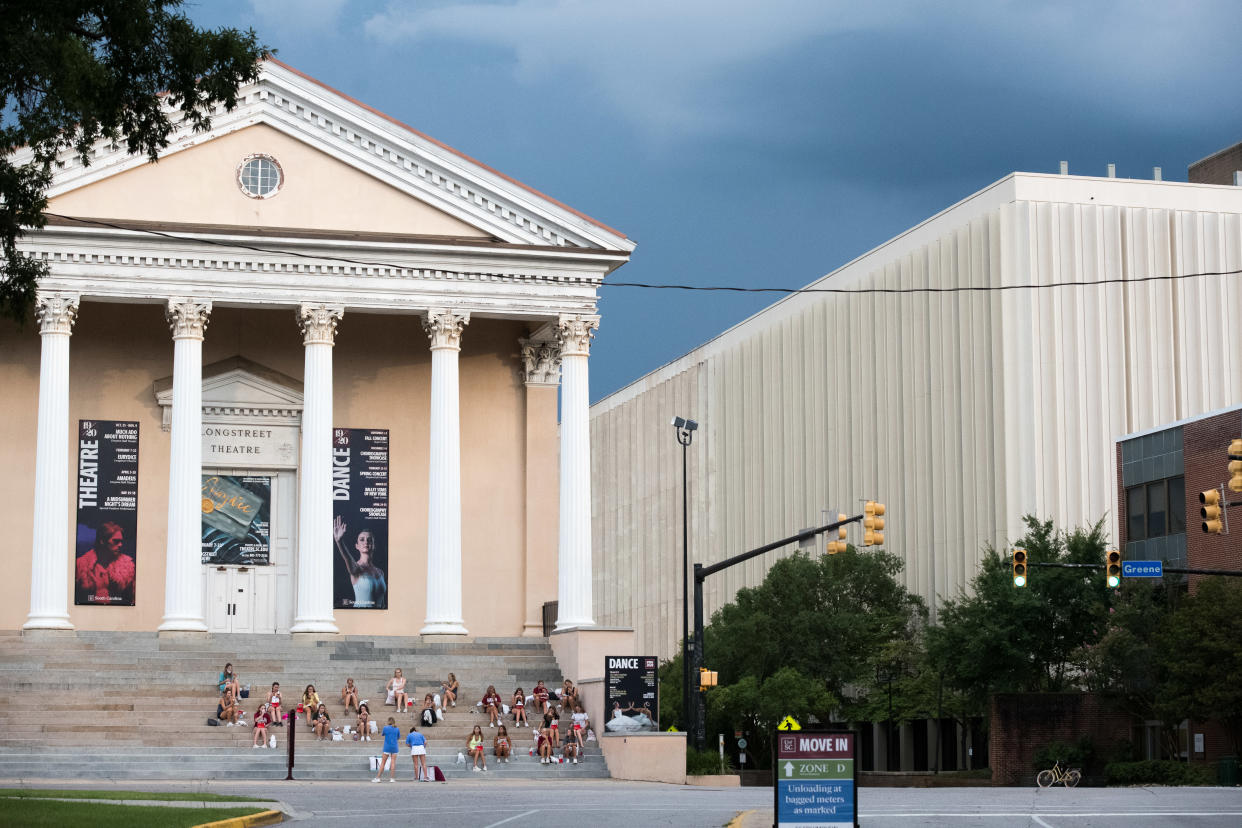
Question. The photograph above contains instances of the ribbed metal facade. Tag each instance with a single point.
(961, 411)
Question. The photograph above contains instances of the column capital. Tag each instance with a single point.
(56, 312)
(574, 332)
(541, 361)
(187, 317)
(444, 327)
(318, 323)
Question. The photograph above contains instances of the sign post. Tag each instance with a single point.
(815, 775)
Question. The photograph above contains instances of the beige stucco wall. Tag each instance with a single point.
(381, 380)
(199, 186)
(646, 757)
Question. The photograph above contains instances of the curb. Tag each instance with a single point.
(261, 818)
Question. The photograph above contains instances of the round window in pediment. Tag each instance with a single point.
(259, 176)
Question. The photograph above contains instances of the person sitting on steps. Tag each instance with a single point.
(474, 746)
(226, 708)
(501, 745)
(449, 688)
(492, 706)
(396, 690)
(349, 695)
(428, 714)
(364, 722)
(322, 723)
(519, 708)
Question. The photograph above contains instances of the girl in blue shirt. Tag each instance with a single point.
(418, 754)
(391, 734)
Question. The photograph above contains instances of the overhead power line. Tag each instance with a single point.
(653, 286)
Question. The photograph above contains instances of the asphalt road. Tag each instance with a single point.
(485, 803)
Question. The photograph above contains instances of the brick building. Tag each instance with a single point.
(1160, 474)
(1218, 168)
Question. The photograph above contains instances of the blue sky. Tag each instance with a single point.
(767, 142)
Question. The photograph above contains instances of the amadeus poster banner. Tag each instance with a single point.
(360, 518)
(237, 514)
(107, 525)
(632, 696)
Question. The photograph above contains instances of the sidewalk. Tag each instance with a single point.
(762, 818)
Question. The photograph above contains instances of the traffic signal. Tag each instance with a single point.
(1112, 568)
(707, 678)
(873, 524)
(1019, 567)
(1235, 466)
(1210, 512)
(838, 545)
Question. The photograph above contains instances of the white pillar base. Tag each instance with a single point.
(182, 624)
(47, 622)
(444, 628)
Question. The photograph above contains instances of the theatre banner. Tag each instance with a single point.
(631, 693)
(360, 518)
(107, 525)
(237, 514)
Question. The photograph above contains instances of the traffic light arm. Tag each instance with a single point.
(807, 534)
(1174, 570)
(698, 726)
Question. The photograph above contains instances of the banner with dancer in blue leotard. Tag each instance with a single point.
(360, 518)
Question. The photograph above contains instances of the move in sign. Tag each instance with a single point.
(816, 775)
(1142, 569)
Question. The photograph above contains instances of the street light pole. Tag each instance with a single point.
(685, 434)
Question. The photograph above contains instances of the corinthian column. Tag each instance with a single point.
(541, 373)
(314, 608)
(49, 562)
(444, 616)
(574, 553)
(183, 570)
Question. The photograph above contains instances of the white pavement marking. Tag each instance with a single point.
(1040, 821)
(510, 819)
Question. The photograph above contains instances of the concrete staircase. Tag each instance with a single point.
(135, 706)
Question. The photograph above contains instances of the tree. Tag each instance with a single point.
(803, 642)
(1201, 649)
(1126, 663)
(1006, 639)
(73, 72)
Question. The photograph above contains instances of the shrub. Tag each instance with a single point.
(1079, 754)
(1158, 773)
(705, 763)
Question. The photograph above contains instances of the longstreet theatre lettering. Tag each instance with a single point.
(242, 433)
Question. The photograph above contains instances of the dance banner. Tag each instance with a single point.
(237, 514)
(360, 518)
(105, 553)
(631, 693)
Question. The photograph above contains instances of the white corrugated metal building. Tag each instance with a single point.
(961, 411)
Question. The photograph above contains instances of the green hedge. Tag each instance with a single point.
(705, 763)
(1158, 773)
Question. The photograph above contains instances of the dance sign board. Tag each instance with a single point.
(105, 554)
(816, 779)
(360, 514)
(631, 687)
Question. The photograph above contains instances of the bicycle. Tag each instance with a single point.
(1069, 777)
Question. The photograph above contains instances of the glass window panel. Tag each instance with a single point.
(1136, 513)
(1157, 508)
(1177, 505)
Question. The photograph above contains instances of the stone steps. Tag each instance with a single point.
(135, 706)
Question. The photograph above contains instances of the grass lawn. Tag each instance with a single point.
(30, 813)
(170, 796)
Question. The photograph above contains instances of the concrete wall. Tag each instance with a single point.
(381, 380)
(961, 411)
(646, 757)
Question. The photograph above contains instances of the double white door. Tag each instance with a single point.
(257, 599)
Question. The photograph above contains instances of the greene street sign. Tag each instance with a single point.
(1142, 569)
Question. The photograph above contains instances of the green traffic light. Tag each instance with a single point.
(1114, 581)
(1019, 580)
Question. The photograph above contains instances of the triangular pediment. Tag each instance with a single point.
(351, 169)
(200, 186)
(239, 390)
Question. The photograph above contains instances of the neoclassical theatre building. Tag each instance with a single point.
(300, 376)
